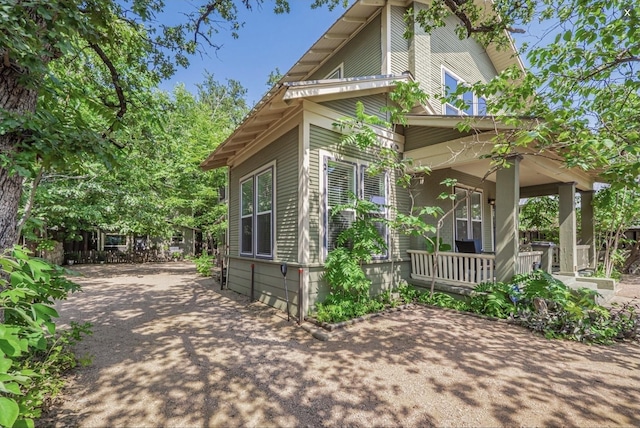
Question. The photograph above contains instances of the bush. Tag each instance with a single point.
(546, 305)
(336, 309)
(204, 264)
(32, 353)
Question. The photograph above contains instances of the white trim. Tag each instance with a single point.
(469, 220)
(253, 177)
(474, 102)
(348, 88)
(304, 156)
(385, 33)
(339, 69)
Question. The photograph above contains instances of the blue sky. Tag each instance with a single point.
(267, 41)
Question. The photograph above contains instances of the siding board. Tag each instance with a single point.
(362, 56)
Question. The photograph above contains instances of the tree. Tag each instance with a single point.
(582, 85)
(120, 43)
(571, 81)
(158, 183)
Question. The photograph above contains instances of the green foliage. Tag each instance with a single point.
(204, 264)
(616, 210)
(356, 245)
(407, 293)
(494, 299)
(540, 214)
(546, 305)
(442, 300)
(345, 275)
(432, 244)
(336, 308)
(31, 351)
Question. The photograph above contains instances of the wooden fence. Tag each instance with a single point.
(95, 257)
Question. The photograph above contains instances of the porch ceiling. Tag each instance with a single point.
(466, 154)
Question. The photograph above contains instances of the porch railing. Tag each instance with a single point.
(464, 268)
(582, 256)
(452, 268)
(527, 260)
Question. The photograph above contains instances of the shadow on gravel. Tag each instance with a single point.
(172, 349)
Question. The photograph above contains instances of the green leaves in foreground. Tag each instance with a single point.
(28, 288)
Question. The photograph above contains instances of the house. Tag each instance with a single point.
(287, 169)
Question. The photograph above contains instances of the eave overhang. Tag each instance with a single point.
(282, 103)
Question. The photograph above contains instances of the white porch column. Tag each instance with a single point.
(507, 200)
(588, 226)
(568, 251)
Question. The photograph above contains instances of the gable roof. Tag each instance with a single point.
(274, 106)
(355, 19)
(281, 103)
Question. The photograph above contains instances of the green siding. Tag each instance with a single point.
(285, 152)
(399, 45)
(362, 56)
(372, 105)
(428, 52)
(268, 283)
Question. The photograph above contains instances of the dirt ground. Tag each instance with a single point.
(170, 349)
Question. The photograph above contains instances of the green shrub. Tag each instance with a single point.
(544, 304)
(336, 309)
(204, 264)
(407, 292)
(443, 300)
(32, 353)
(494, 299)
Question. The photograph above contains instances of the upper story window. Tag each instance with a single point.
(473, 105)
(336, 73)
(256, 214)
(343, 180)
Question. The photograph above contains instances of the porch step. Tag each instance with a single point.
(604, 286)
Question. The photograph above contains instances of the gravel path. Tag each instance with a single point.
(170, 349)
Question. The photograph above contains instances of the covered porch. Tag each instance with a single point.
(436, 143)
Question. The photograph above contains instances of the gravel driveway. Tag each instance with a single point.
(170, 349)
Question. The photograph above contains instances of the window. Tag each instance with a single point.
(468, 214)
(374, 189)
(473, 105)
(344, 180)
(178, 237)
(256, 214)
(336, 73)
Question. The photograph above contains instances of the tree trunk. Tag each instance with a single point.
(16, 99)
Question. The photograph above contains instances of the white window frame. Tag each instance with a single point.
(177, 237)
(253, 179)
(359, 168)
(475, 102)
(339, 70)
(469, 218)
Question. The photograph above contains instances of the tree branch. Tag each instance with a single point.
(30, 202)
(115, 79)
(621, 58)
